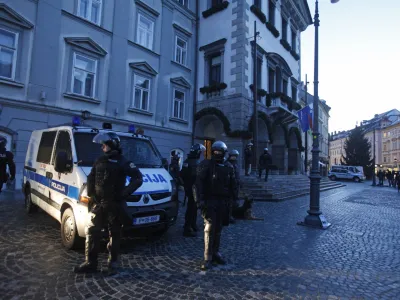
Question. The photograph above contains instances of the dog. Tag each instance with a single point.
(244, 212)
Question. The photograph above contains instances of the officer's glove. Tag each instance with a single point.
(12, 178)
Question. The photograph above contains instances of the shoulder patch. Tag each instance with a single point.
(132, 165)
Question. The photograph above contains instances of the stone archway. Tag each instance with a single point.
(279, 149)
(209, 128)
(293, 152)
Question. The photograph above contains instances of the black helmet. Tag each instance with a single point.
(196, 149)
(233, 154)
(3, 142)
(111, 139)
(265, 150)
(218, 150)
(249, 145)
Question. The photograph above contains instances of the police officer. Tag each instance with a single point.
(214, 190)
(6, 158)
(264, 163)
(248, 154)
(106, 188)
(188, 175)
(232, 158)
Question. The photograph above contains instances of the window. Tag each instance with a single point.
(271, 80)
(257, 3)
(63, 144)
(394, 145)
(384, 147)
(181, 51)
(84, 75)
(259, 75)
(8, 53)
(90, 10)
(284, 29)
(185, 3)
(142, 92)
(215, 70)
(384, 159)
(294, 93)
(271, 12)
(46, 147)
(284, 86)
(294, 37)
(145, 31)
(179, 104)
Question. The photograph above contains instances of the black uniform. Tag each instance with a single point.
(174, 166)
(106, 185)
(237, 177)
(216, 187)
(264, 163)
(248, 154)
(6, 158)
(188, 175)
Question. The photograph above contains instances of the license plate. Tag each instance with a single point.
(146, 220)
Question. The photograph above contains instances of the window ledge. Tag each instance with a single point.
(81, 98)
(182, 66)
(140, 111)
(143, 48)
(11, 83)
(177, 120)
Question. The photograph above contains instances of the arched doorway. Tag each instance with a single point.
(209, 129)
(293, 153)
(263, 137)
(278, 149)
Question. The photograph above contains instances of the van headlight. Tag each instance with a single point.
(84, 198)
(173, 187)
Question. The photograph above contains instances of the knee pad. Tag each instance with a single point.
(207, 227)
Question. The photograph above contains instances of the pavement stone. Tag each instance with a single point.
(356, 258)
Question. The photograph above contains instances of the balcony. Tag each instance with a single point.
(285, 106)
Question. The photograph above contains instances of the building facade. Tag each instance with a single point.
(123, 62)
(224, 98)
(336, 147)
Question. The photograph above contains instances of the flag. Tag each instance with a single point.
(305, 118)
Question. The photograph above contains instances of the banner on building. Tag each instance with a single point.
(305, 118)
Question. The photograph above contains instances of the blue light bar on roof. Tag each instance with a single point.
(131, 128)
(76, 121)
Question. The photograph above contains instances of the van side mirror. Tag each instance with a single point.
(164, 162)
(61, 163)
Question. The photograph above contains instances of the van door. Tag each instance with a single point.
(62, 185)
(43, 176)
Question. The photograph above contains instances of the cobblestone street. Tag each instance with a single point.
(357, 258)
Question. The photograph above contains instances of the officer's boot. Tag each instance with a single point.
(91, 253)
(217, 258)
(113, 247)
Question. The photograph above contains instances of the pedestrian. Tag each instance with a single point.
(398, 181)
(214, 190)
(264, 163)
(6, 159)
(389, 177)
(233, 159)
(248, 154)
(188, 175)
(106, 189)
(380, 177)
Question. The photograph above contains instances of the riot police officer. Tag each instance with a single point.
(106, 188)
(214, 190)
(6, 158)
(248, 154)
(264, 163)
(232, 158)
(188, 175)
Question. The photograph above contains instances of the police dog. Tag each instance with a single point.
(244, 212)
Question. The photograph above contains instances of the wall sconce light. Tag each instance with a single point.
(86, 114)
(42, 95)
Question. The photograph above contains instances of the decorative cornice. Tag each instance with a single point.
(181, 82)
(86, 43)
(144, 67)
(148, 8)
(216, 44)
(11, 16)
(183, 30)
(91, 24)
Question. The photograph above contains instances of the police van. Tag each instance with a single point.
(57, 164)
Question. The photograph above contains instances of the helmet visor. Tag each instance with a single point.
(101, 138)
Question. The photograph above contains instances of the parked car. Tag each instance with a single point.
(355, 173)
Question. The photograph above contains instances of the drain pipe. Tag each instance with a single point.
(196, 58)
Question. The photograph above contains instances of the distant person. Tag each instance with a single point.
(6, 159)
(264, 163)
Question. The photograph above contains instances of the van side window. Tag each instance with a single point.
(63, 144)
(46, 147)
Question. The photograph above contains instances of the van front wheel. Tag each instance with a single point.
(356, 179)
(69, 233)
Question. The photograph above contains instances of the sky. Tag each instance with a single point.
(359, 58)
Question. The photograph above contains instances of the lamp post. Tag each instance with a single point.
(315, 218)
(374, 162)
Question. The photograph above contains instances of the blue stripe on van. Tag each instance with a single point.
(70, 191)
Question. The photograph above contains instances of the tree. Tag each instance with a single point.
(357, 150)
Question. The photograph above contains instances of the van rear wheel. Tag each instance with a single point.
(30, 207)
(69, 234)
(356, 179)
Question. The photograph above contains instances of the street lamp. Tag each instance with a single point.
(315, 217)
(374, 164)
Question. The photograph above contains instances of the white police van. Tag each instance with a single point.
(57, 164)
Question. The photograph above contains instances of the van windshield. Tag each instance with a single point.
(139, 151)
